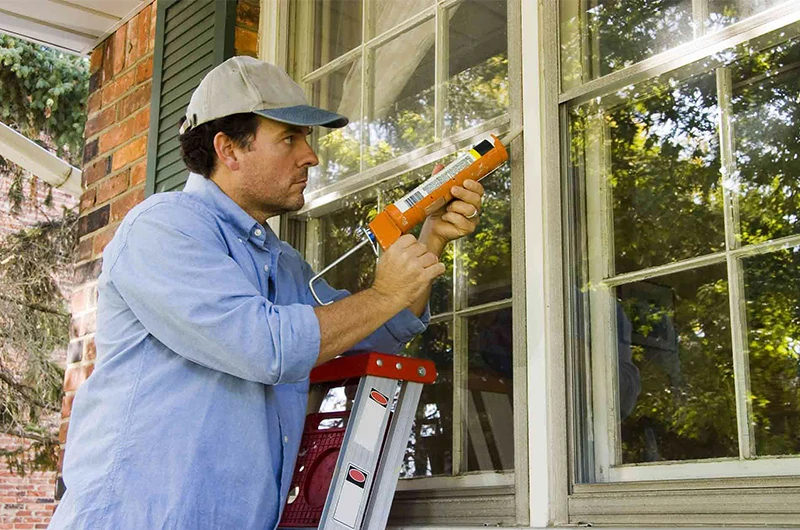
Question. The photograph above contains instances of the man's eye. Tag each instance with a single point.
(289, 140)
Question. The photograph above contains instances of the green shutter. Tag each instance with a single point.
(192, 37)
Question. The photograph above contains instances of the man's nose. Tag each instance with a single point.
(308, 158)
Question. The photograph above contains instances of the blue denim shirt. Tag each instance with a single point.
(205, 339)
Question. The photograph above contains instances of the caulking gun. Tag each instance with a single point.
(403, 215)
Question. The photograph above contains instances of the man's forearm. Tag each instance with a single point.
(346, 322)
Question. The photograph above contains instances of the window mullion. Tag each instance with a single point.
(460, 363)
(442, 58)
(367, 82)
(736, 293)
(601, 296)
(699, 17)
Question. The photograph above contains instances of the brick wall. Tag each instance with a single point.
(25, 502)
(115, 164)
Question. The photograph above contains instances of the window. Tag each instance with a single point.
(682, 170)
(421, 80)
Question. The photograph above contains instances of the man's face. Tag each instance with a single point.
(273, 171)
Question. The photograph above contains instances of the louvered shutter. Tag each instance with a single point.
(192, 36)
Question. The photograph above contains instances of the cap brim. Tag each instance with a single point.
(306, 116)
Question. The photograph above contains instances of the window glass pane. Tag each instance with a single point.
(402, 92)
(338, 234)
(430, 448)
(676, 368)
(657, 155)
(486, 254)
(338, 149)
(490, 411)
(772, 286)
(608, 35)
(477, 89)
(766, 120)
(723, 13)
(389, 13)
(337, 25)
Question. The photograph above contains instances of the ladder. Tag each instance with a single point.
(348, 465)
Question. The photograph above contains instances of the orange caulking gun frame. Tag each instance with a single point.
(403, 215)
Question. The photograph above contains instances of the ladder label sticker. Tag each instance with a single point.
(368, 428)
(352, 496)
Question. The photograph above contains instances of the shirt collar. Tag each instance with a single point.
(208, 191)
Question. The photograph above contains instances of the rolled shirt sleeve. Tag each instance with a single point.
(174, 272)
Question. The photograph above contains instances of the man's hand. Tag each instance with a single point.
(457, 219)
(402, 280)
(405, 271)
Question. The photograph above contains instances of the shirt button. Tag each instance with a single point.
(286, 439)
(257, 232)
(266, 268)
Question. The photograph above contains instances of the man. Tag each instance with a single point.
(206, 329)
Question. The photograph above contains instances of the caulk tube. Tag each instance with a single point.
(401, 216)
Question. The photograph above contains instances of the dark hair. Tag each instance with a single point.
(197, 144)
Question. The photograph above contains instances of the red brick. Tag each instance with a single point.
(85, 249)
(96, 171)
(153, 19)
(123, 205)
(118, 87)
(97, 59)
(88, 199)
(119, 49)
(130, 153)
(73, 378)
(112, 187)
(91, 350)
(142, 121)
(101, 240)
(132, 41)
(98, 122)
(247, 14)
(78, 301)
(88, 323)
(139, 172)
(143, 39)
(246, 41)
(66, 406)
(108, 60)
(62, 433)
(144, 71)
(117, 135)
(94, 102)
(136, 100)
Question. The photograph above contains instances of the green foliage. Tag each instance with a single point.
(43, 95)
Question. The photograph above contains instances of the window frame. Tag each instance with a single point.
(685, 493)
(473, 497)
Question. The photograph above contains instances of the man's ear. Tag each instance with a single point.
(224, 148)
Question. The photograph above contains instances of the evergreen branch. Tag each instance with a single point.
(34, 306)
(28, 393)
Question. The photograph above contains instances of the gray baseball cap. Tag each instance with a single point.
(244, 84)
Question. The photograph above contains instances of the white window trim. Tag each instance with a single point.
(546, 373)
